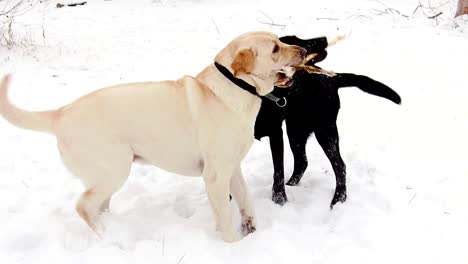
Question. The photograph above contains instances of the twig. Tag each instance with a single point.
(431, 8)
(24, 183)
(387, 8)
(77, 4)
(380, 11)
(271, 23)
(43, 28)
(216, 26)
(412, 198)
(21, 8)
(434, 16)
(327, 18)
(358, 16)
(60, 5)
(181, 258)
(337, 39)
(13, 8)
(416, 9)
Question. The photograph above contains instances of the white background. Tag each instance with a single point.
(406, 165)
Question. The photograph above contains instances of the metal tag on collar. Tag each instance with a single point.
(280, 102)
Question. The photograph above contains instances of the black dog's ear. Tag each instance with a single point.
(291, 40)
(313, 45)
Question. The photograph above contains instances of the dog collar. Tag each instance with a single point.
(281, 102)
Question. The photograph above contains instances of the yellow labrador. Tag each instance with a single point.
(191, 126)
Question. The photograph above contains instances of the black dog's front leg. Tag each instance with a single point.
(277, 152)
(297, 142)
(329, 141)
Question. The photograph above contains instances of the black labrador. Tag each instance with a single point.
(312, 107)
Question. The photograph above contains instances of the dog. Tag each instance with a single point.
(312, 107)
(194, 126)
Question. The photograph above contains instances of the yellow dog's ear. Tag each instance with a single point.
(243, 62)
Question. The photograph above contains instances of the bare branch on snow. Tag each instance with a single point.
(271, 22)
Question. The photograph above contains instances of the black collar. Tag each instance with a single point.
(281, 102)
(239, 82)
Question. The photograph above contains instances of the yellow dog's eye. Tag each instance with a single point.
(276, 48)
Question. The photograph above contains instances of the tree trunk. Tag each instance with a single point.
(462, 8)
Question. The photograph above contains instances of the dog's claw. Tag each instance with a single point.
(293, 181)
(279, 198)
(340, 196)
(248, 227)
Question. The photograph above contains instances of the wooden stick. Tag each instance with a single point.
(337, 39)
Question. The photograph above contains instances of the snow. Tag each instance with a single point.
(406, 165)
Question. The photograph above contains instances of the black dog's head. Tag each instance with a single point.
(314, 45)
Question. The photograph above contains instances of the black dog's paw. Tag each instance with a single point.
(340, 196)
(279, 197)
(293, 181)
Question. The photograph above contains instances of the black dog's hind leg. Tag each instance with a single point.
(298, 148)
(277, 153)
(329, 141)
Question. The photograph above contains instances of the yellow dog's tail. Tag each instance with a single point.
(39, 121)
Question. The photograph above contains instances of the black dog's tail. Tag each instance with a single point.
(367, 85)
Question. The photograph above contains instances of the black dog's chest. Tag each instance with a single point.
(313, 95)
(312, 101)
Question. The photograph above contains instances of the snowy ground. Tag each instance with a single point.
(407, 165)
